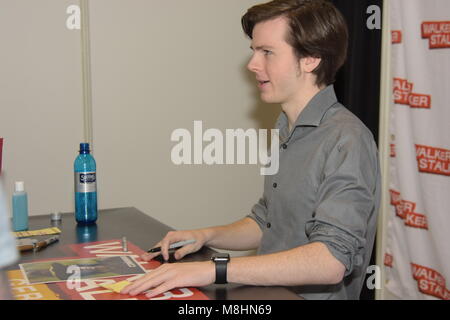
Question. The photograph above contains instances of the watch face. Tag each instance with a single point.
(220, 257)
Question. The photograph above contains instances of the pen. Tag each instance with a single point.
(174, 245)
(35, 245)
(44, 243)
(124, 244)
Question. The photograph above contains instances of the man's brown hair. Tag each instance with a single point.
(317, 29)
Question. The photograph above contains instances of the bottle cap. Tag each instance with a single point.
(19, 186)
(56, 216)
(84, 147)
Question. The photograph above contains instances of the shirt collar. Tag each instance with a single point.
(313, 113)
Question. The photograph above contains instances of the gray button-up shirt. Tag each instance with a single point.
(327, 190)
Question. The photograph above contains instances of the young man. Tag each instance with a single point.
(314, 227)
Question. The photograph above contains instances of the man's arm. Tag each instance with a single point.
(306, 265)
(244, 234)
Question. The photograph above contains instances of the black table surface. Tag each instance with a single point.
(143, 231)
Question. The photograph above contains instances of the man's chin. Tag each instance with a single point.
(267, 99)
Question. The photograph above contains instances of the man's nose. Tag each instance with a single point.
(253, 65)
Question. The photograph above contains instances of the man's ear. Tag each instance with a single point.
(309, 64)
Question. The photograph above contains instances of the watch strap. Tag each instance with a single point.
(221, 271)
(221, 260)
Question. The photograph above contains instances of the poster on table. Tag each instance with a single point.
(99, 263)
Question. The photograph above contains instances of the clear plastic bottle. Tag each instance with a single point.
(20, 207)
(85, 186)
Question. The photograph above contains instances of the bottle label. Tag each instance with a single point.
(85, 182)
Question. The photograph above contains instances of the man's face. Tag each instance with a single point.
(274, 63)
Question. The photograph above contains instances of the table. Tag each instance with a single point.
(143, 231)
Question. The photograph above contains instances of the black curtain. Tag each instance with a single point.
(358, 82)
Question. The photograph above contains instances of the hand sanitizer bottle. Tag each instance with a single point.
(20, 207)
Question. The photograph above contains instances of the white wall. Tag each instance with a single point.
(40, 100)
(156, 66)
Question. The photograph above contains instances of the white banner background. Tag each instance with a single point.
(417, 256)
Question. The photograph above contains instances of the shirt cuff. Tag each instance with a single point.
(259, 221)
(345, 247)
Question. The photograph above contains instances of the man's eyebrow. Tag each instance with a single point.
(262, 48)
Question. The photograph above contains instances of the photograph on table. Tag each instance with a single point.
(80, 269)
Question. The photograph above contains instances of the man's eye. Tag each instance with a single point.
(267, 52)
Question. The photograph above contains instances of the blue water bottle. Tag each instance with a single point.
(85, 186)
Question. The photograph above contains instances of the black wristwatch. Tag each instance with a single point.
(221, 260)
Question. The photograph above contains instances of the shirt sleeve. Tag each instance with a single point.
(346, 198)
(259, 212)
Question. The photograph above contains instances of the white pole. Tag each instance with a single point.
(384, 142)
(86, 73)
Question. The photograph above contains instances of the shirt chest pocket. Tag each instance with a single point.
(291, 194)
(296, 179)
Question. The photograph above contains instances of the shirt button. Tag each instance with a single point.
(275, 184)
(268, 225)
(284, 145)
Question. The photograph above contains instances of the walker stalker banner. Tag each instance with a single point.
(417, 257)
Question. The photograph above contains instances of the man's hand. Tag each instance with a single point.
(175, 236)
(173, 275)
(241, 235)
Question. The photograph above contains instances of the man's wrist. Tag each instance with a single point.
(209, 235)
